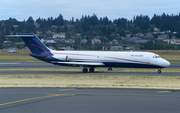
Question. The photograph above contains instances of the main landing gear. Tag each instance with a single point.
(109, 68)
(159, 70)
(85, 70)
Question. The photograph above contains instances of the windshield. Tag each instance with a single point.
(156, 56)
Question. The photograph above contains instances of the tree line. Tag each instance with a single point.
(91, 26)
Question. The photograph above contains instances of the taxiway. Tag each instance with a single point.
(79, 100)
(47, 65)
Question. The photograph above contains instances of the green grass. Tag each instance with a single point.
(18, 58)
(91, 81)
(20, 43)
(173, 60)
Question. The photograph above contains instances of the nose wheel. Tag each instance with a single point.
(159, 70)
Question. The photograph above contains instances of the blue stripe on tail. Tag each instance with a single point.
(34, 44)
(38, 49)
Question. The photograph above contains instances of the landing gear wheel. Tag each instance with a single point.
(85, 70)
(91, 69)
(110, 69)
(159, 70)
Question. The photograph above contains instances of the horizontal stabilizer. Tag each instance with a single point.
(21, 36)
(82, 63)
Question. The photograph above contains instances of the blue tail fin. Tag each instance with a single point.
(34, 44)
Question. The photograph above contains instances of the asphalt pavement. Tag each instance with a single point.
(5, 65)
(91, 100)
(48, 65)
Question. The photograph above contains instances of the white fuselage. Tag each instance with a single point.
(115, 59)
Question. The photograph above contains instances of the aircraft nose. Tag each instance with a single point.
(166, 63)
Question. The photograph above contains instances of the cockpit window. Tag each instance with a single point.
(156, 56)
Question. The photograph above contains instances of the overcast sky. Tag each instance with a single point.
(113, 9)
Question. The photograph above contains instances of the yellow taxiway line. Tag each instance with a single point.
(51, 95)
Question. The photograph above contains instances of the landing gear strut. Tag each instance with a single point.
(159, 70)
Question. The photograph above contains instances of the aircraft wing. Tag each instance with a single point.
(82, 63)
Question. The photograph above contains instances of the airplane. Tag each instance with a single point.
(92, 59)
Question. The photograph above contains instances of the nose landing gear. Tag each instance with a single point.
(159, 70)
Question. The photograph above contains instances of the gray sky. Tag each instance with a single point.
(113, 9)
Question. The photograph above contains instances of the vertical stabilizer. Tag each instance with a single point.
(33, 43)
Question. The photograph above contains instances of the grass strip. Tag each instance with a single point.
(91, 81)
(18, 58)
